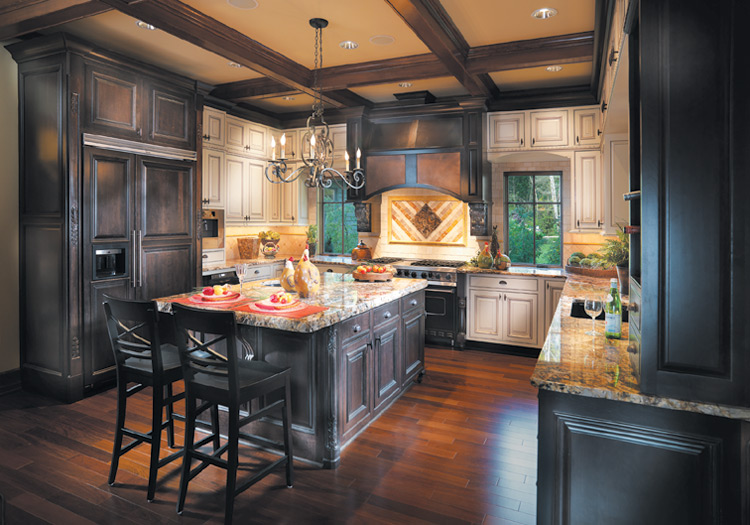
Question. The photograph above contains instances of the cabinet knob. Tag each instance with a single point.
(633, 308)
(612, 56)
(387, 315)
(357, 329)
(521, 141)
(329, 270)
(533, 141)
(140, 132)
(413, 302)
(206, 137)
(598, 132)
(578, 140)
(257, 272)
(578, 223)
(599, 223)
(205, 256)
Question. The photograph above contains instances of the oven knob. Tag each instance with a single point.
(414, 275)
(448, 277)
(424, 275)
(432, 275)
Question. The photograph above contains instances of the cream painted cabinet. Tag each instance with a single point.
(291, 144)
(246, 190)
(506, 130)
(213, 127)
(552, 291)
(549, 128)
(504, 310)
(242, 136)
(213, 178)
(616, 167)
(588, 191)
(586, 127)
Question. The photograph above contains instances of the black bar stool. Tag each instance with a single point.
(143, 342)
(231, 382)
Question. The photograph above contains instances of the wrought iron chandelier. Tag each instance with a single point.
(317, 137)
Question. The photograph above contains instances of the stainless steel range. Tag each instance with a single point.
(441, 296)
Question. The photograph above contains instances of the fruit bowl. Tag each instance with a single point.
(373, 273)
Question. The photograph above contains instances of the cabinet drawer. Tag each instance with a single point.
(355, 327)
(260, 272)
(502, 282)
(384, 314)
(413, 301)
(213, 257)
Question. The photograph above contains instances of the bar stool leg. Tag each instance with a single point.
(232, 462)
(157, 406)
(122, 397)
(215, 426)
(187, 456)
(287, 421)
(170, 417)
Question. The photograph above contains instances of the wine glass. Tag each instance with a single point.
(241, 271)
(593, 306)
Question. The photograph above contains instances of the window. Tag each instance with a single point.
(339, 231)
(533, 218)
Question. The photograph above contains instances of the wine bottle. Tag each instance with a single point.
(613, 312)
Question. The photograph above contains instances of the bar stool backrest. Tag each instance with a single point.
(197, 355)
(133, 330)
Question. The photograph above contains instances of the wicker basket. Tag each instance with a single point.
(248, 247)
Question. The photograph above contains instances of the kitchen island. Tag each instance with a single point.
(348, 362)
(657, 459)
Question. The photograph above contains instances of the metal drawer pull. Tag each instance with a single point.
(357, 328)
(205, 256)
(413, 302)
(502, 282)
(387, 315)
(257, 272)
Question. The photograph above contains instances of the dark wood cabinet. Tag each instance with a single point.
(357, 385)
(413, 346)
(386, 362)
(694, 174)
(76, 199)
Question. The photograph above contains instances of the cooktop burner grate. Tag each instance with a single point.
(385, 260)
(434, 262)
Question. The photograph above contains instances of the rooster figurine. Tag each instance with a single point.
(287, 276)
(306, 276)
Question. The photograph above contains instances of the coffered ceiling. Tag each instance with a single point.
(493, 49)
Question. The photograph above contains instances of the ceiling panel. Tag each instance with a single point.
(118, 32)
(440, 87)
(284, 27)
(299, 102)
(539, 77)
(484, 22)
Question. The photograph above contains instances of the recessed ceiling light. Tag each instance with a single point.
(144, 25)
(382, 40)
(243, 4)
(349, 44)
(554, 69)
(544, 13)
(288, 97)
(234, 64)
(405, 84)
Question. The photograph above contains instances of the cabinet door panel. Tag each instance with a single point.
(256, 193)
(113, 104)
(235, 134)
(289, 201)
(99, 359)
(172, 117)
(386, 362)
(256, 139)
(552, 293)
(273, 193)
(484, 315)
(413, 348)
(506, 131)
(236, 188)
(213, 178)
(213, 127)
(165, 269)
(549, 128)
(108, 194)
(520, 311)
(586, 126)
(588, 190)
(165, 198)
(355, 380)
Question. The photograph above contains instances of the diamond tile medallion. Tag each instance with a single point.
(427, 220)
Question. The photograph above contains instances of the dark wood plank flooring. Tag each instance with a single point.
(458, 448)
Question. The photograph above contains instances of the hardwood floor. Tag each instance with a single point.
(458, 448)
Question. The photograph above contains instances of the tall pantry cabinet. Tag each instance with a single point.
(109, 202)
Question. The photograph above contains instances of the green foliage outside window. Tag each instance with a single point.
(533, 215)
(339, 231)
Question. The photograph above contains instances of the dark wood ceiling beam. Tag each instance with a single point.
(434, 27)
(414, 67)
(20, 17)
(249, 89)
(191, 25)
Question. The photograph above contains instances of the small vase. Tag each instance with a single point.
(623, 275)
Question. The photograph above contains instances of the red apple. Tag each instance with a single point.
(208, 290)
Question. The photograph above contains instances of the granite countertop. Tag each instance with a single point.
(528, 271)
(320, 259)
(572, 362)
(343, 296)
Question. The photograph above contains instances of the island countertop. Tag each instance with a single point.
(521, 271)
(572, 362)
(340, 293)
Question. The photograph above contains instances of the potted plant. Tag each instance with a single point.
(312, 238)
(616, 252)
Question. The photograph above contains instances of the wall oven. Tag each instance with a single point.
(212, 229)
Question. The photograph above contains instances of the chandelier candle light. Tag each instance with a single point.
(316, 167)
